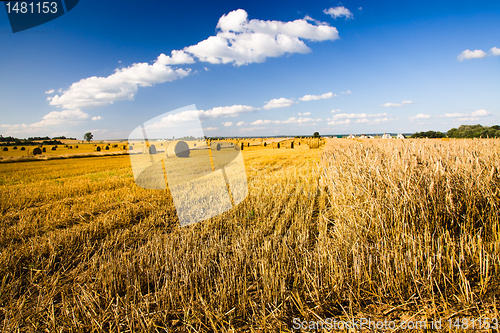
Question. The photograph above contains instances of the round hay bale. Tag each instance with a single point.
(37, 151)
(276, 145)
(248, 144)
(242, 145)
(44, 150)
(194, 144)
(70, 147)
(107, 147)
(289, 145)
(76, 146)
(161, 144)
(313, 143)
(98, 148)
(22, 148)
(5, 149)
(215, 146)
(115, 146)
(178, 149)
(53, 148)
(265, 144)
(130, 148)
(152, 150)
(15, 148)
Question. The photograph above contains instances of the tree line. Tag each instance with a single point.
(463, 132)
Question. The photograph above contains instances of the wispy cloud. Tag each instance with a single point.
(468, 54)
(278, 103)
(420, 116)
(397, 105)
(346, 118)
(51, 91)
(339, 11)
(291, 120)
(227, 124)
(305, 114)
(317, 97)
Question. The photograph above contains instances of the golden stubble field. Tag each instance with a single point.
(385, 229)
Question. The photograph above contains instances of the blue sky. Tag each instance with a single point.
(254, 68)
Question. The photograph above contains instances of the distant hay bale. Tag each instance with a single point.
(215, 146)
(248, 144)
(313, 143)
(5, 149)
(70, 147)
(37, 151)
(107, 147)
(115, 146)
(130, 148)
(15, 148)
(276, 145)
(161, 144)
(22, 148)
(44, 150)
(194, 144)
(264, 144)
(98, 148)
(242, 145)
(53, 148)
(152, 150)
(178, 149)
(289, 144)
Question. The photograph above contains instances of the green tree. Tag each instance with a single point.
(88, 136)
(316, 134)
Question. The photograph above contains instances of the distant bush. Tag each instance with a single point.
(475, 131)
(429, 134)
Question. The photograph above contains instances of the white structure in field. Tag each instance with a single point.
(363, 136)
(401, 136)
(351, 136)
(386, 136)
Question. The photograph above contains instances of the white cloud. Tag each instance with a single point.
(178, 57)
(226, 111)
(291, 120)
(121, 85)
(211, 129)
(495, 51)
(340, 122)
(227, 123)
(305, 114)
(356, 115)
(420, 116)
(278, 103)
(240, 41)
(51, 91)
(468, 54)
(251, 129)
(317, 97)
(96, 118)
(397, 105)
(52, 119)
(348, 92)
(463, 116)
(338, 12)
(334, 111)
(481, 113)
(240, 123)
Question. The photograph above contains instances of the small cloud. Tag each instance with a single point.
(211, 129)
(240, 123)
(420, 116)
(397, 105)
(348, 92)
(206, 69)
(338, 12)
(96, 118)
(119, 61)
(317, 97)
(227, 123)
(468, 54)
(305, 114)
(51, 91)
(278, 103)
(333, 111)
(495, 51)
(360, 8)
(481, 113)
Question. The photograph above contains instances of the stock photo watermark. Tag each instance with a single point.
(205, 178)
(367, 324)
